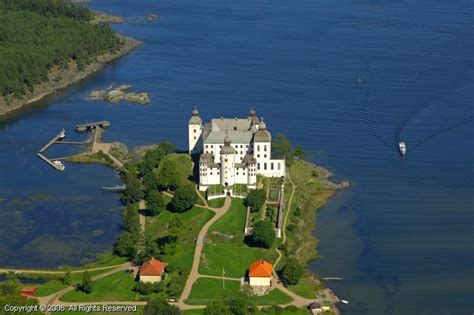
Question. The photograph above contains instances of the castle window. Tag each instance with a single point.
(279, 166)
(241, 152)
(195, 130)
(258, 155)
(264, 155)
(258, 147)
(265, 166)
(258, 166)
(265, 148)
(194, 137)
(271, 166)
(207, 146)
(226, 160)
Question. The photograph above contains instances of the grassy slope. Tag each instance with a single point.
(206, 290)
(52, 286)
(226, 249)
(312, 192)
(116, 287)
(193, 220)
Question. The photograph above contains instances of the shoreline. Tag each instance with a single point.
(64, 78)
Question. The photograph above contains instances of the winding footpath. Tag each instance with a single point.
(194, 274)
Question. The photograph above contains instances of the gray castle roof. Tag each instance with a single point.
(195, 119)
(262, 135)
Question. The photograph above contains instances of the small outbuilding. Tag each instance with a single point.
(152, 271)
(28, 292)
(260, 273)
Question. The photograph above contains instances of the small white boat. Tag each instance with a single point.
(62, 134)
(402, 147)
(59, 165)
(345, 301)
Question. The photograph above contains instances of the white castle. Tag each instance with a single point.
(233, 151)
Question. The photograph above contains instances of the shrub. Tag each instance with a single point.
(255, 199)
(263, 234)
(184, 198)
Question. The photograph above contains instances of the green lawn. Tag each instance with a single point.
(71, 312)
(233, 222)
(227, 249)
(216, 203)
(206, 290)
(115, 287)
(235, 259)
(183, 165)
(299, 311)
(52, 286)
(306, 287)
(193, 220)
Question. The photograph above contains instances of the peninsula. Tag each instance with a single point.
(194, 243)
(40, 51)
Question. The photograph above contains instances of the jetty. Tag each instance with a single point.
(117, 188)
(92, 125)
(59, 139)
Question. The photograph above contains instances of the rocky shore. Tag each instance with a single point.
(59, 78)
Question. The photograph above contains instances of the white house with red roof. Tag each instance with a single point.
(260, 273)
(152, 271)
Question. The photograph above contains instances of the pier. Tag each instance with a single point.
(93, 125)
(41, 156)
(59, 139)
(117, 188)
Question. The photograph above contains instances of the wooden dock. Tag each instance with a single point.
(117, 188)
(50, 143)
(48, 161)
(93, 125)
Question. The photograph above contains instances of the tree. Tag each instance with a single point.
(300, 153)
(86, 285)
(147, 288)
(131, 219)
(217, 308)
(263, 234)
(133, 189)
(281, 144)
(126, 245)
(255, 199)
(184, 198)
(241, 303)
(160, 307)
(66, 279)
(168, 175)
(155, 202)
(292, 272)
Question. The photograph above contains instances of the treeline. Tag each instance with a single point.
(36, 35)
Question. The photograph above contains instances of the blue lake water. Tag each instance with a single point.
(345, 79)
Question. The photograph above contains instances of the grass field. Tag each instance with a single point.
(226, 248)
(115, 287)
(71, 312)
(233, 222)
(234, 259)
(216, 203)
(52, 286)
(193, 220)
(206, 290)
(183, 165)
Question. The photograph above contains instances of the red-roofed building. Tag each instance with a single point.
(260, 273)
(27, 292)
(152, 270)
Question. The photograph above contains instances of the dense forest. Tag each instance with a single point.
(36, 35)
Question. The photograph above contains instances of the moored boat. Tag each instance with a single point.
(59, 165)
(402, 147)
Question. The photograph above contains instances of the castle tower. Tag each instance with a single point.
(262, 142)
(227, 163)
(195, 131)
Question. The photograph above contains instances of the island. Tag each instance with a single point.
(200, 236)
(41, 54)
